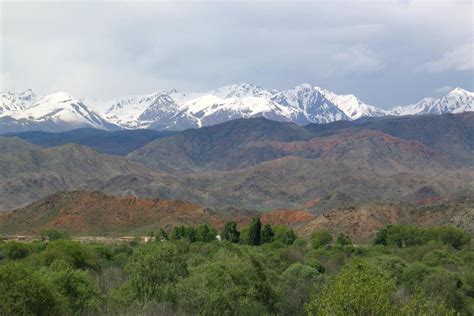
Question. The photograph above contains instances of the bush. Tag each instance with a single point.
(321, 238)
(75, 254)
(153, 270)
(23, 292)
(52, 234)
(408, 236)
(76, 286)
(361, 288)
(297, 281)
(16, 250)
(284, 234)
(231, 282)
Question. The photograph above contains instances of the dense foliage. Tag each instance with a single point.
(408, 270)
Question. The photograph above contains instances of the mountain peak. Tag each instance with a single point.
(58, 97)
(460, 91)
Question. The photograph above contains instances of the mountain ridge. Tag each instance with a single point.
(173, 110)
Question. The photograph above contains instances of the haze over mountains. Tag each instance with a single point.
(173, 110)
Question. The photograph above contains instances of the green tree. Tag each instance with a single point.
(190, 233)
(16, 250)
(24, 292)
(230, 232)
(231, 282)
(178, 232)
(343, 240)
(321, 238)
(161, 235)
(297, 281)
(205, 233)
(76, 286)
(284, 234)
(77, 255)
(361, 288)
(267, 234)
(53, 234)
(255, 229)
(153, 270)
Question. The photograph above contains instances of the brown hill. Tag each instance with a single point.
(361, 222)
(94, 213)
(82, 213)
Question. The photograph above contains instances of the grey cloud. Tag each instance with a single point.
(385, 52)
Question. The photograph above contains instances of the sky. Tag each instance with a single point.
(387, 53)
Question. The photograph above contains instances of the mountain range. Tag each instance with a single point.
(252, 163)
(174, 110)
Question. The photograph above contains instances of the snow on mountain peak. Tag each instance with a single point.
(456, 101)
(174, 109)
(10, 101)
(352, 106)
(460, 92)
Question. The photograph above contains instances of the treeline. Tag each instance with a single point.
(258, 270)
(254, 234)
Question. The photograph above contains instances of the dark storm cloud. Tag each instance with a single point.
(386, 52)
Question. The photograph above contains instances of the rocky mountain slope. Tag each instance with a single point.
(261, 164)
(173, 110)
(28, 173)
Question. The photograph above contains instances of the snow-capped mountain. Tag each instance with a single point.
(11, 101)
(55, 112)
(456, 101)
(177, 110)
(308, 105)
(352, 106)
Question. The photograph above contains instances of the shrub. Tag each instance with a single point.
(75, 254)
(23, 292)
(284, 234)
(321, 238)
(152, 269)
(53, 234)
(16, 250)
(361, 288)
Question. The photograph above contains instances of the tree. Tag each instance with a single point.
(161, 235)
(361, 288)
(16, 250)
(153, 269)
(230, 232)
(296, 284)
(205, 233)
(255, 231)
(321, 238)
(284, 234)
(53, 234)
(267, 234)
(190, 233)
(24, 292)
(76, 286)
(343, 240)
(75, 254)
(178, 232)
(231, 282)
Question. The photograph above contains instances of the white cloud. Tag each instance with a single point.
(458, 59)
(357, 60)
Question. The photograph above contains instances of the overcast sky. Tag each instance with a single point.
(386, 52)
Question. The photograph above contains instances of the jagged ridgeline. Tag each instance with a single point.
(174, 110)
